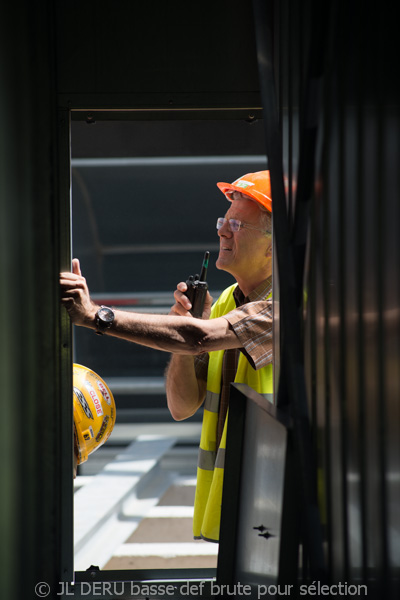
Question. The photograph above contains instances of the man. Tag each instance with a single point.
(240, 320)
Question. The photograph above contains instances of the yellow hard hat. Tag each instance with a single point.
(94, 412)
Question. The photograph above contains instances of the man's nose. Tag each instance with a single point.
(225, 230)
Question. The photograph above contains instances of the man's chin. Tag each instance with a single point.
(221, 265)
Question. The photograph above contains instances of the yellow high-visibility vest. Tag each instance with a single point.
(210, 469)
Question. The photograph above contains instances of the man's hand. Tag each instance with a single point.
(185, 393)
(182, 304)
(75, 471)
(76, 298)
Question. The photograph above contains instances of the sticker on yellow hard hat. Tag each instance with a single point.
(95, 398)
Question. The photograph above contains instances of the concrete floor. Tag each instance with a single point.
(165, 534)
(163, 538)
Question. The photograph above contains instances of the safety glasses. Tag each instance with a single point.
(235, 225)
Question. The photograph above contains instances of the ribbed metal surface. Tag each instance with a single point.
(339, 126)
(351, 285)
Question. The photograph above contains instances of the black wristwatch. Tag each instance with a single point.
(104, 319)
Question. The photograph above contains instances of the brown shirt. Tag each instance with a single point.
(251, 321)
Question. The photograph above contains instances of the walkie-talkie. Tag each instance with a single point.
(197, 288)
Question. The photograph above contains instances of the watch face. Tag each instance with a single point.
(106, 314)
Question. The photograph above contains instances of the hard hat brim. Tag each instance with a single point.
(258, 197)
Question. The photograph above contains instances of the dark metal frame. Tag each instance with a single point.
(65, 345)
(92, 108)
(125, 581)
(123, 578)
(83, 96)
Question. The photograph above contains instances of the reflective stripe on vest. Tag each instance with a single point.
(210, 468)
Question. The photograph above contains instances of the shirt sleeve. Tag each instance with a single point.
(252, 323)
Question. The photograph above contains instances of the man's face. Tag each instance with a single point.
(245, 252)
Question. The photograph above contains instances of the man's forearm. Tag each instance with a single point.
(178, 335)
(185, 393)
(169, 333)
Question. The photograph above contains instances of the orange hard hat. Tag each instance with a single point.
(255, 185)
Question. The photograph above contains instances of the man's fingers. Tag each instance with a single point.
(76, 267)
(70, 281)
(180, 296)
(69, 277)
(72, 292)
(181, 310)
(182, 303)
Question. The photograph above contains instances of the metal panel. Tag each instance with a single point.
(261, 498)
(351, 286)
(258, 503)
(156, 55)
(352, 313)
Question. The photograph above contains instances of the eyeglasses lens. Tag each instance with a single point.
(234, 224)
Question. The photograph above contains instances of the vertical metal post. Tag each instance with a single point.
(65, 348)
(292, 386)
(36, 423)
